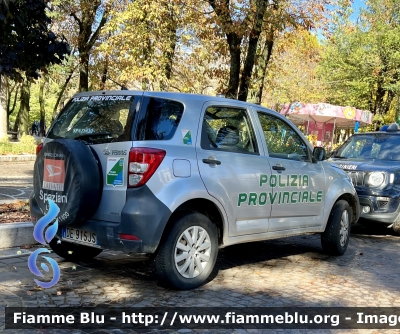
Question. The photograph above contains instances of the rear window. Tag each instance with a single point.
(96, 119)
(160, 119)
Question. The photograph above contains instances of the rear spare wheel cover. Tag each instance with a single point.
(67, 172)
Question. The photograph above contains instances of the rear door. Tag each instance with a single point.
(230, 166)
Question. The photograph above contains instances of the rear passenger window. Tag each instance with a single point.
(228, 129)
(160, 119)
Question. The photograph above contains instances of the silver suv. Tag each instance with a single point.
(177, 176)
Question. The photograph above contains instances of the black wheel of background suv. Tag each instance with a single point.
(73, 252)
(396, 226)
(187, 255)
(335, 238)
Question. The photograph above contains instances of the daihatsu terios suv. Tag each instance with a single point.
(177, 176)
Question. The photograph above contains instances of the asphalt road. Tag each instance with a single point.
(16, 180)
(278, 273)
(288, 272)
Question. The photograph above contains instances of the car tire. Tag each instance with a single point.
(335, 238)
(73, 252)
(188, 253)
(396, 226)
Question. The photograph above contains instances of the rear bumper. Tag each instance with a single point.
(143, 216)
(107, 236)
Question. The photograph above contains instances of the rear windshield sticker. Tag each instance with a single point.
(115, 172)
(187, 137)
(102, 98)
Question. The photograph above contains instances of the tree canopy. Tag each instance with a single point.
(265, 51)
(26, 43)
(362, 59)
(27, 46)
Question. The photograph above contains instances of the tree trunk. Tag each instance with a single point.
(3, 108)
(388, 102)
(42, 107)
(61, 93)
(234, 36)
(104, 76)
(252, 50)
(87, 37)
(380, 93)
(84, 73)
(264, 60)
(170, 50)
(146, 55)
(169, 55)
(24, 108)
(10, 109)
(397, 109)
(234, 42)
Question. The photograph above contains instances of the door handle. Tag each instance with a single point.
(211, 161)
(278, 167)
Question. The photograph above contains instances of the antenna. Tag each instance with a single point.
(122, 86)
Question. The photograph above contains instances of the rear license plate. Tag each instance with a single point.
(75, 234)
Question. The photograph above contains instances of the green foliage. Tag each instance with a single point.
(27, 140)
(361, 61)
(4, 139)
(26, 43)
(26, 147)
(292, 71)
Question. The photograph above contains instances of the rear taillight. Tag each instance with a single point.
(38, 148)
(143, 162)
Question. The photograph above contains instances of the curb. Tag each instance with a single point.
(16, 234)
(10, 201)
(24, 157)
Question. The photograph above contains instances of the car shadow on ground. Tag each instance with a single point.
(366, 227)
(278, 272)
(279, 254)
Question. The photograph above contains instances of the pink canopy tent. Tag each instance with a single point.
(323, 118)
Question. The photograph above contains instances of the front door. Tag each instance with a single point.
(298, 184)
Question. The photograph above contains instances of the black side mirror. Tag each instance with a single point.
(319, 153)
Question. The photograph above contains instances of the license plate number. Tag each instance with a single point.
(79, 235)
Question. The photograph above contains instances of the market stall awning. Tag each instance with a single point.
(343, 117)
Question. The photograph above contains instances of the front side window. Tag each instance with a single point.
(228, 129)
(282, 141)
(97, 119)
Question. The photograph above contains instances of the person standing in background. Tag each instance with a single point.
(33, 129)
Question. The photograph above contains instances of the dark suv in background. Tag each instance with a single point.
(372, 160)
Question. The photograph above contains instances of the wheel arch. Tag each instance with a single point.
(354, 204)
(200, 205)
